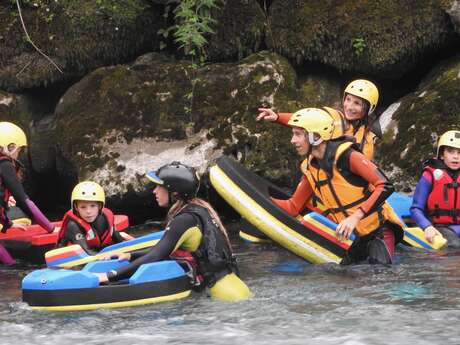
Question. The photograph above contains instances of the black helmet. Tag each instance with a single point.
(177, 177)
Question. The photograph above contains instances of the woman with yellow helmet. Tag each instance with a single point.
(359, 101)
(194, 234)
(88, 223)
(350, 186)
(12, 142)
(436, 203)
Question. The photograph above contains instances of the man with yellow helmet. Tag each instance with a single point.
(359, 101)
(12, 142)
(88, 223)
(436, 203)
(349, 185)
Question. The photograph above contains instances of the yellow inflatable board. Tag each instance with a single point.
(249, 195)
(312, 238)
(416, 238)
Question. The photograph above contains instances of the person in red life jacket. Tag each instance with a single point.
(193, 227)
(359, 102)
(436, 203)
(350, 186)
(88, 223)
(12, 141)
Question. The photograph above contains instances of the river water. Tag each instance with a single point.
(415, 301)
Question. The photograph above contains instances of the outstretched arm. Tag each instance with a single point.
(179, 230)
(267, 114)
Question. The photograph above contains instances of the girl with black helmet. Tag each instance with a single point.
(192, 226)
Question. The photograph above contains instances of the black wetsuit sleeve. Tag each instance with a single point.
(12, 183)
(161, 251)
(75, 235)
(138, 253)
(116, 236)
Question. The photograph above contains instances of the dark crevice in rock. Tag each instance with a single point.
(264, 4)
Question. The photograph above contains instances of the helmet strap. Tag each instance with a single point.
(8, 152)
(312, 140)
(172, 198)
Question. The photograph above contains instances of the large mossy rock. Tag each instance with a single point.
(238, 32)
(383, 38)
(78, 36)
(118, 122)
(418, 121)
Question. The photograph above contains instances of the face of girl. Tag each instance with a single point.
(353, 107)
(88, 210)
(161, 195)
(451, 157)
(300, 141)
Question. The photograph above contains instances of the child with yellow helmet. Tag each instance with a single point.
(359, 102)
(350, 186)
(12, 141)
(88, 223)
(436, 203)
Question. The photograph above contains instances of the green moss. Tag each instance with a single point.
(422, 117)
(77, 35)
(238, 32)
(152, 101)
(324, 31)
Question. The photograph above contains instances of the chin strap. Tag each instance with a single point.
(312, 141)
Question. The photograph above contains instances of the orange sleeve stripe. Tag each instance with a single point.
(363, 167)
(298, 200)
(283, 118)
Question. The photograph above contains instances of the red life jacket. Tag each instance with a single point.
(443, 203)
(93, 239)
(186, 257)
(4, 197)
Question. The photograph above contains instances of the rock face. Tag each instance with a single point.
(123, 111)
(77, 35)
(119, 122)
(239, 30)
(385, 39)
(421, 117)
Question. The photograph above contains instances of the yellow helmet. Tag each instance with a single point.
(450, 138)
(339, 122)
(88, 191)
(364, 89)
(11, 134)
(319, 121)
